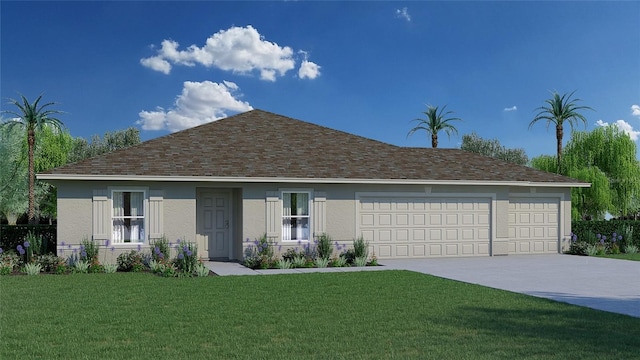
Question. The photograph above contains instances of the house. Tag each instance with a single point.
(258, 172)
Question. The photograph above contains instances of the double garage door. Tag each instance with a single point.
(418, 227)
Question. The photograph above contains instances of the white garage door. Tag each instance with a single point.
(533, 225)
(405, 227)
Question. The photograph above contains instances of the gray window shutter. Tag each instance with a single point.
(319, 213)
(272, 214)
(156, 214)
(101, 215)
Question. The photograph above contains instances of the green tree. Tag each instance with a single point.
(13, 175)
(605, 157)
(560, 109)
(32, 118)
(111, 141)
(492, 148)
(435, 121)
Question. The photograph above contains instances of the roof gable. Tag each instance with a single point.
(260, 144)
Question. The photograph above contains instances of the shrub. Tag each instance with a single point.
(131, 261)
(360, 261)
(49, 262)
(89, 250)
(259, 254)
(201, 270)
(322, 262)
(340, 261)
(35, 242)
(9, 261)
(110, 268)
(32, 268)
(186, 258)
(630, 249)
(284, 264)
(361, 248)
(81, 266)
(160, 250)
(325, 249)
(578, 248)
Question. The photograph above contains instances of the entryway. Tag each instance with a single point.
(214, 222)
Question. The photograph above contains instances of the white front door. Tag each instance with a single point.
(215, 222)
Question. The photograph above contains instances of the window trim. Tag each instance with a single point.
(145, 209)
(309, 193)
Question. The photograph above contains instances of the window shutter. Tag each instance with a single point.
(319, 213)
(156, 214)
(273, 214)
(101, 215)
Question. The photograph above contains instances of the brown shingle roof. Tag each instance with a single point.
(259, 144)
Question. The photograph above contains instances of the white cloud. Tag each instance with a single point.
(624, 126)
(238, 49)
(403, 13)
(513, 108)
(308, 70)
(199, 103)
(635, 110)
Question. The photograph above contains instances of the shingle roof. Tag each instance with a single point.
(260, 144)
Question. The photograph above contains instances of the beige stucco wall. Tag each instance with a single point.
(249, 209)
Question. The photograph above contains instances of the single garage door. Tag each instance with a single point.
(533, 225)
(418, 227)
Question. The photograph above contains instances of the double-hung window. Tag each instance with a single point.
(295, 216)
(128, 216)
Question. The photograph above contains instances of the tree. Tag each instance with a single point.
(492, 148)
(435, 122)
(83, 149)
(605, 157)
(560, 109)
(13, 175)
(32, 118)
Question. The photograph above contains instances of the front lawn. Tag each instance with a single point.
(361, 315)
(634, 257)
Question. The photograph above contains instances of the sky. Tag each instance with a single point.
(367, 68)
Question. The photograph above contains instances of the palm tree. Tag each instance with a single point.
(32, 117)
(560, 109)
(434, 123)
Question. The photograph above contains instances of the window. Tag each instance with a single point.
(128, 216)
(295, 216)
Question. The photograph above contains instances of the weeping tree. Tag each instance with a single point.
(31, 118)
(13, 175)
(605, 157)
(435, 120)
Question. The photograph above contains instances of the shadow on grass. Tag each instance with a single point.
(570, 333)
(627, 306)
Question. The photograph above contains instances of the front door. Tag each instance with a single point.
(215, 222)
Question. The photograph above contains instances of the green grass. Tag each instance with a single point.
(360, 315)
(634, 257)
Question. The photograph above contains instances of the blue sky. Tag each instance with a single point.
(366, 68)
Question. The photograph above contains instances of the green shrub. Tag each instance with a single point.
(325, 248)
(160, 249)
(630, 249)
(49, 262)
(110, 268)
(258, 255)
(186, 258)
(81, 266)
(201, 270)
(578, 248)
(361, 248)
(284, 264)
(89, 250)
(360, 261)
(321, 262)
(131, 261)
(32, 268)
(340, 261)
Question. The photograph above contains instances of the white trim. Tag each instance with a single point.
(310, 194)
(429, 195)
(305, 180)
(145, 202)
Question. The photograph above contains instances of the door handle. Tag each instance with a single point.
(226, 224)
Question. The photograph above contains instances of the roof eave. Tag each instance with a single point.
(214, 179)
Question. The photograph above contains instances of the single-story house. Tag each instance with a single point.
(258, 173)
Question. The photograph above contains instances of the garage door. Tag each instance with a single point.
(416, 227)
(533, 225)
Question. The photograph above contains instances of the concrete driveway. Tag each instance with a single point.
(599, 283)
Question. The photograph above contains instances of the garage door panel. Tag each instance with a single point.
(424, 227)
(533, 225)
